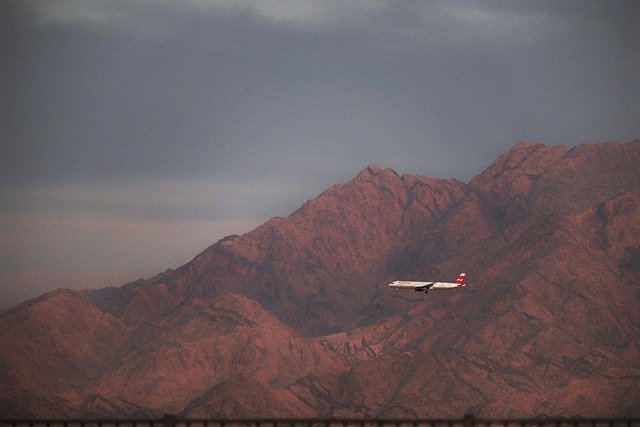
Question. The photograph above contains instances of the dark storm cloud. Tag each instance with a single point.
(160, 115)
(246, 89)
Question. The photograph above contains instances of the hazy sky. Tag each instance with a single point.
(134, 134)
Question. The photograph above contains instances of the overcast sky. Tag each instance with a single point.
(134, 134)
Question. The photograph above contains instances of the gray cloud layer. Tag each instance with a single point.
(179, 114)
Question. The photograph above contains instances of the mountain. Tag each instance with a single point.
(294, 318)
(315, 270)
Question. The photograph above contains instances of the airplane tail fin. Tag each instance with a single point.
(460, 279)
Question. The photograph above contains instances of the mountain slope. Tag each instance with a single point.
(313, 269)
(295, 319)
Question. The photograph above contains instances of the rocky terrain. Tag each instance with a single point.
(294, 319)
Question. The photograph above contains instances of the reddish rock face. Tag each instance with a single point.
(294, 319)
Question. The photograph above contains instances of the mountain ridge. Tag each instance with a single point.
(295, 317)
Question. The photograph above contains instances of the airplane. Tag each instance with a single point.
(426, 286)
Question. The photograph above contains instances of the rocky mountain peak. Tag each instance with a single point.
(374, 169)
(295, 317)
(515, 170)
(374, 174)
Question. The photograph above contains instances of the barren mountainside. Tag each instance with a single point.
(294, 319)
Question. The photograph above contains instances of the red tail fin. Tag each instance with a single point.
(460, 279)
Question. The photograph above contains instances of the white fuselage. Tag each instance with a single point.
(403, 284)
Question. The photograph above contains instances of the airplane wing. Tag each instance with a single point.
(412, 285)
